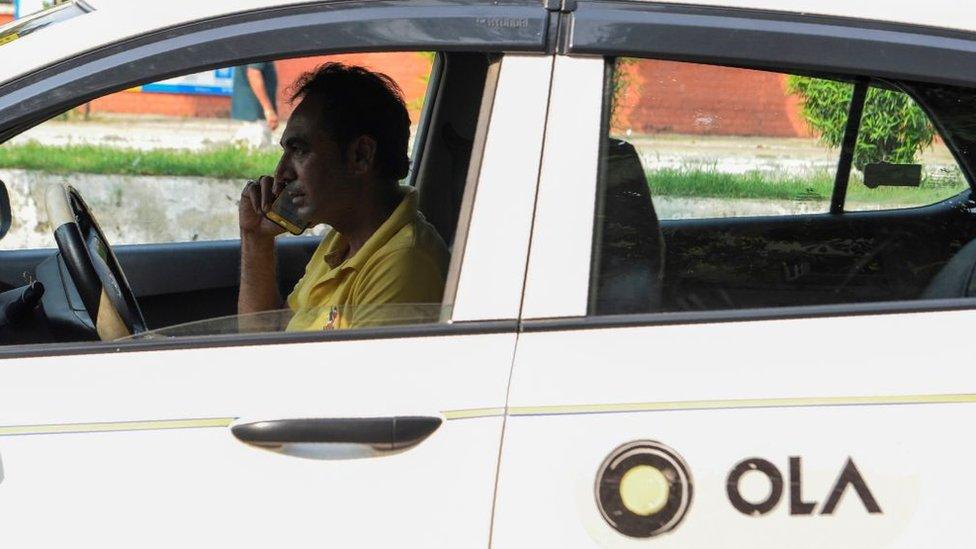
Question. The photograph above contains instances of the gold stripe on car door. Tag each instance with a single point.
(111, 426)
(741, 403)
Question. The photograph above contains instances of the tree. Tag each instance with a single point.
(893, 128)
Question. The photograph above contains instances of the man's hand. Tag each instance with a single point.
(259, 281)
(271, 117)
(256, 200)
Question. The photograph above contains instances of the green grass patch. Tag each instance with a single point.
(696, 182)
(226, 162)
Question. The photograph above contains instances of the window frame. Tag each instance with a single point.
(261, 35)
(771, 41)
(762, 313)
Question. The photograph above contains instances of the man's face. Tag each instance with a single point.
(319, 180)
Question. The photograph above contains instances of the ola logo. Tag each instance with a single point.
(643, 489)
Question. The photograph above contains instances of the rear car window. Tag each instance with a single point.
(728, 188)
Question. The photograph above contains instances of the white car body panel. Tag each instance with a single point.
(722, 393)
(112, 21)
(496, 250)
(111, 488)
(134, 448)
(819, 389)
(567, 184)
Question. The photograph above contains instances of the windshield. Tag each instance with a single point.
(319, 319)
(18, 28)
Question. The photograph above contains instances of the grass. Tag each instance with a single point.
(233, 162)
(226, 162)
(703, 183)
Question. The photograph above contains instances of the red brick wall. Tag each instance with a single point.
(408, 69)
(660, 97)
(165, 104)
(685, 98)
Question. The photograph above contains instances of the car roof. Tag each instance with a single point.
(112, 21)
(115, 20)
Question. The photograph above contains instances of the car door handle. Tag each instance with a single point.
(379, 434)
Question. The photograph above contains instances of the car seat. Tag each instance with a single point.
(630, 255)
(957, 278)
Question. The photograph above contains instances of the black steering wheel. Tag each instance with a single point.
(92, 266)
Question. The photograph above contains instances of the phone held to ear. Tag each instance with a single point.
(284, 212)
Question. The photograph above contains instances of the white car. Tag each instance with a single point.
(618, 361)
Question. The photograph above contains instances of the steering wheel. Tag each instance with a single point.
(93, 268)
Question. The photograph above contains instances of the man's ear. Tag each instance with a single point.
(362, 153)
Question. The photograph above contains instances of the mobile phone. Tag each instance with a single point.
(285, 214)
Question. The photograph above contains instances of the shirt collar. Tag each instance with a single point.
(401, 216)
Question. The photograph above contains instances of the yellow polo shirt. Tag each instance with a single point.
(397, 277)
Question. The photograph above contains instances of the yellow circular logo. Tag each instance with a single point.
(643, 489)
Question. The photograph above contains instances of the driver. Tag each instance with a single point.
(345, 150)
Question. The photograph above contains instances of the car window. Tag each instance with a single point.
(899, 160)
(672, 232)
(165, 162)
(721, 141)
(150, 179)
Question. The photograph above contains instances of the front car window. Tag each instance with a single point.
(161, 168)
(164, 162)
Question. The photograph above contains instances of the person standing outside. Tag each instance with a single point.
(255, 87)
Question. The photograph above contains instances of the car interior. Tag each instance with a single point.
(191, 281)
(643, 265)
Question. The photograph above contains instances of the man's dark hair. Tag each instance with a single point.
(357, 101)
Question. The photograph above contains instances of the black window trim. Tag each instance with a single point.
(249, 340)
(431, 96)
(272, 33)
(802, 312)
(770, 39)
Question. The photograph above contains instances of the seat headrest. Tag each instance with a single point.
(631, 253)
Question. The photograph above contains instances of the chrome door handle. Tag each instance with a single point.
(378, 433)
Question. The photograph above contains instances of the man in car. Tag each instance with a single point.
(345, 150)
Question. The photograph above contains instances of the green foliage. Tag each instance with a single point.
(893, 128)
(621, 87)
(417, 103)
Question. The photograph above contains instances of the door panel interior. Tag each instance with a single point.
(811, 259)
(179, 282)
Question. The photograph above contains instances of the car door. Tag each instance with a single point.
(370, 437)
(789, 426)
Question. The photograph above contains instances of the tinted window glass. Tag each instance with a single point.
(720, 141)
(671, 233)
(899, 161)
